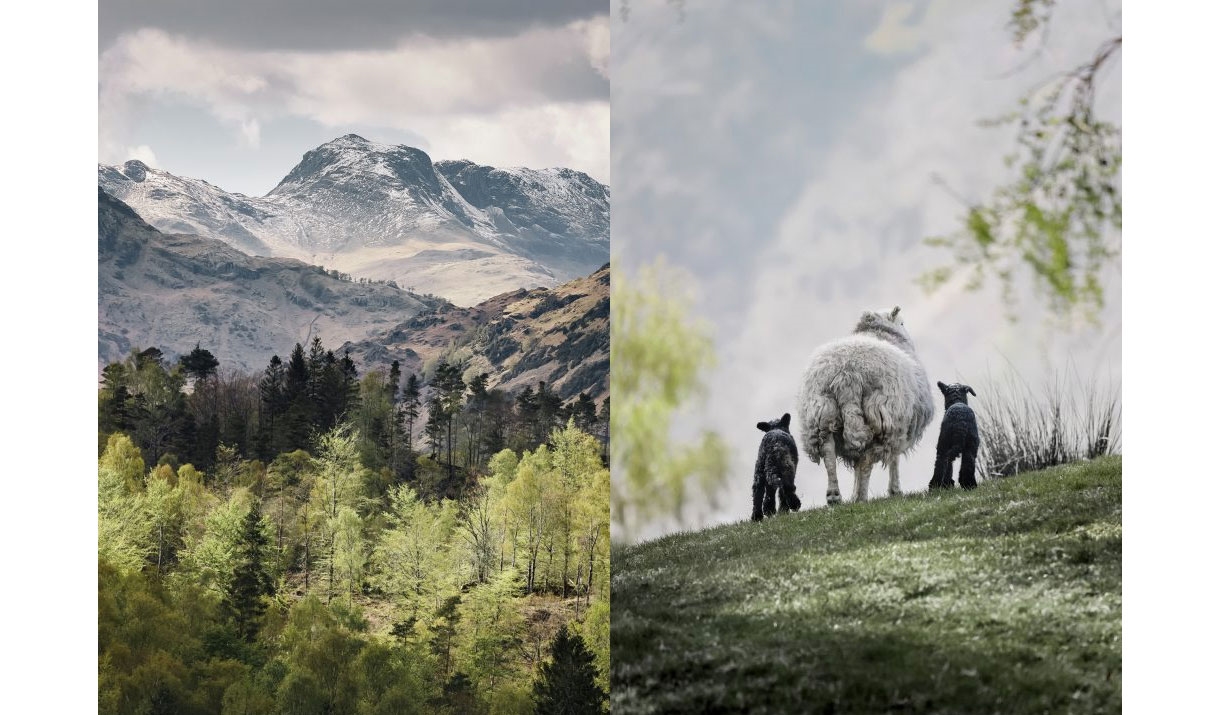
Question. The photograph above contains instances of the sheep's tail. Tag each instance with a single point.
(856, 432)
(820, 421)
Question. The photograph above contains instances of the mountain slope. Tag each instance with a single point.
(560, 335)
(1005, 599)
(387, 212)
(171, 291)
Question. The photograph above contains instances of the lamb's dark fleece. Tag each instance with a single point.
(959, 436)
(775, 470)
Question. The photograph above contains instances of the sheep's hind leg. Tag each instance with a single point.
(864, 470)
(832, 477)
(895, 486)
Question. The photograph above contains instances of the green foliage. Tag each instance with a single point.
(493, 630)
(1007, 598)
(1059, 219)
(658, 354)
(151, 652)
(123, 520)
(209, 557)
(410, 556)
(595, 632)
(1028, 16)
(239, 581)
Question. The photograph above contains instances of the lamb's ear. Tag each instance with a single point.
(765, 427)
(894, 313)
(785, 420)
(971, 391)
(942, 386)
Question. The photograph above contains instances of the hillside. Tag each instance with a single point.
(171, 291)
(560, 335)
(1006, 599)
(387, 212)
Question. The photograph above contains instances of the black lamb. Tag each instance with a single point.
(775, 470)
(959, 436)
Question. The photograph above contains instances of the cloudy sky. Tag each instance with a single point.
(785, 155)
(235, 92)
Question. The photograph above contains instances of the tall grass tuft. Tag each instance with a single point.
(1067, 419)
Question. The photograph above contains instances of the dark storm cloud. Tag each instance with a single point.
(332, 24)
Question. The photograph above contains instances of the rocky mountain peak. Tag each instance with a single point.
(135, 170)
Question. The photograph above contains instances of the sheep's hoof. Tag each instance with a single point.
(833, 498)
(896, 492)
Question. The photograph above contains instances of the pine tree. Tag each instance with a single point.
(549, 405)
(250, 582)
(199, 364)
(451, 389)
(566, 685)
(410, 413)
(434, 430)
(584, 412)
(527, 420)
(444, 630)
(273, 404)
(299, 406)
(392, 384)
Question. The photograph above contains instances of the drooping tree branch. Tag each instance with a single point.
(1060, 217)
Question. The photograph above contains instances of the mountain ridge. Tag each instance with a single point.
(172, 291)
(388, 212)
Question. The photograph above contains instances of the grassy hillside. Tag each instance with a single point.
(1007, 599)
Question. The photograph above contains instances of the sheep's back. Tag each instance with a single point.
(852, 369)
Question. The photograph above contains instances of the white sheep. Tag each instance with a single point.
(864, 399)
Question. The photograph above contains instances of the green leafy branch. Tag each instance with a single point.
(1054, 218)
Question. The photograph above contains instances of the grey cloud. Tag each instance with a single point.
(330, 24)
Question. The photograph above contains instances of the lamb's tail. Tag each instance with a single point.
(780, 467)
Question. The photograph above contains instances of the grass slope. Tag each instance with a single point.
(1006, 599)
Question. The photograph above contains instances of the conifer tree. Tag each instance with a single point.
(434, 430)
(395, 378)
(566, 685)
(199, 364)
(409, 414)
(273, 403)
(250, 582)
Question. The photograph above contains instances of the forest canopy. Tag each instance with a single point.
(313, 540)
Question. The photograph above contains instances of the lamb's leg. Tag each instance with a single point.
(938, 472)
(757, 513)
(774, 469)
(788, 493)
(895, 487)
(864, 470)
(769, 500)
(965, 473)
(832, 477)
(942, 476)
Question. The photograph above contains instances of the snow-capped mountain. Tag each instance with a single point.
(453, 228)
(172, 291)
